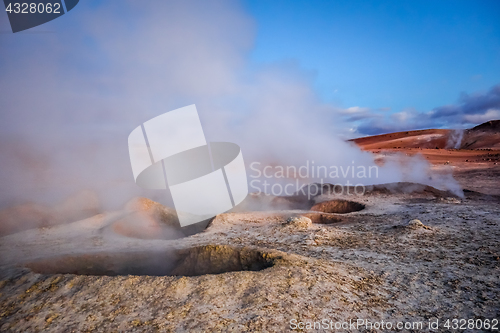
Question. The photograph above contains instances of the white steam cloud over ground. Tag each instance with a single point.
(70, 98)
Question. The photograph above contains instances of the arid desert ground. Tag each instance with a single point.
(331, 259)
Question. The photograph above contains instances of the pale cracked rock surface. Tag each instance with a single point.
(299, 222)
(254, 272)
(415, 224)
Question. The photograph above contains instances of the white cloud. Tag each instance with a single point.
(74, 96)
(356, 109)
(406, 116)
(491, 114)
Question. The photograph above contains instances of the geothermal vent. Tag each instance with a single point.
(327, 210)
(338, 207)
(210, 259)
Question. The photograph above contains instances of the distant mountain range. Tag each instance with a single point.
(484, 136)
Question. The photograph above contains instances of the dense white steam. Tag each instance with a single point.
(70, 99)
(455, 139)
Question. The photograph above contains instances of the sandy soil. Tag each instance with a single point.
(133, 270)
(271, 268)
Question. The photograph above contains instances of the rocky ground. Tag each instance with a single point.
(262, 271)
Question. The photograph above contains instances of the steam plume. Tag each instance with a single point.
(71, 98)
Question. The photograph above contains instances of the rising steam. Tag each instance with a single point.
(455, 139)
(71, 98)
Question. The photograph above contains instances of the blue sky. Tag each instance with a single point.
(382, 65)
(390, 55)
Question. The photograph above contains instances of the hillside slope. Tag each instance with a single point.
(484, 136)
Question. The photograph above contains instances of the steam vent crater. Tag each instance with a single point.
(196, 261)
(320, 218)
(338, 207)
